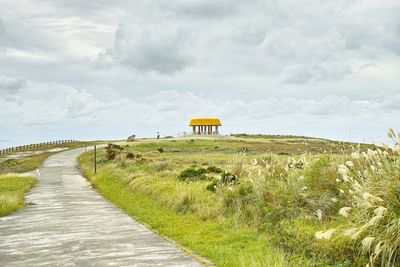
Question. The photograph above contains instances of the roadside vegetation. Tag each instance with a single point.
(12, 192)
(264, 201)
(31, 159)
(24, 164)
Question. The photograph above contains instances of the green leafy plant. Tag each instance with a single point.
(193, 174)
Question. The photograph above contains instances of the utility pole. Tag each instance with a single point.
(95, 160)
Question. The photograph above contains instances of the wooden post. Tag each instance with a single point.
(95, 160)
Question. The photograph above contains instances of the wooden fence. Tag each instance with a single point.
(34, 146)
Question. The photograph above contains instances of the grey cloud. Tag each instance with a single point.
(11, 86)
(155, 47)
(322, 43)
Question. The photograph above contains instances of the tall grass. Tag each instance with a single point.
(296, 203)
(371, 183)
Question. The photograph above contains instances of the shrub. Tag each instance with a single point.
(161, 150)
(213, 169)
(228, 178)
(193, 174)
(112, 151)
(212, 186)
(130, 155)
(136, 157)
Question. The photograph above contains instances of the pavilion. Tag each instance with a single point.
(205, 126)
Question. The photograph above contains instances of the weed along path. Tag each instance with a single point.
(70, 224)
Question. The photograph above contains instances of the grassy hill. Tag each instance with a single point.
(256, 200)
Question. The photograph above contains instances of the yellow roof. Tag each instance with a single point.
(205, 122)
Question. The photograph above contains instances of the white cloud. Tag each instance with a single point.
(310, 67)
(170, 111)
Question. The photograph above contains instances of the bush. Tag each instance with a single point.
(130, 155)
(196, 174)
(112, 151)
(161, 150)
(213, 169)
(137, 157)
(193, 174)
(228, 178)
(225, 180)
(212, 186)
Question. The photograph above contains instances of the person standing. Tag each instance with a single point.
(158, 135)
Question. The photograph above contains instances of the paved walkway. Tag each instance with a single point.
(70, 224)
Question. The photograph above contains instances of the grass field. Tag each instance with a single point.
(258, 201)
(12, 192)
(23, 164)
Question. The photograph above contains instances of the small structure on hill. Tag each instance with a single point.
(131, 138)
(205, 126)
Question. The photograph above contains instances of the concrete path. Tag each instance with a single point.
(70, 224)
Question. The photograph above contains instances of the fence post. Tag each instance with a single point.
(95, 160)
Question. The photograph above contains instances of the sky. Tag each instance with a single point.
(104, 69)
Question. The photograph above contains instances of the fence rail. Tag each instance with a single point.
(32, 146)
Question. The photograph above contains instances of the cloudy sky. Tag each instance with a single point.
(107, 69)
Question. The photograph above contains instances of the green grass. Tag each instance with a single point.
(23, 164)
(214, 240)
(254, 145)
(12, 192)
(255, 222)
